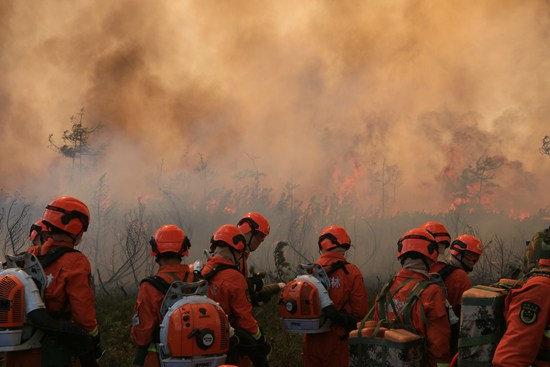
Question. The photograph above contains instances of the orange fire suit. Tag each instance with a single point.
(147, 317)
(68, 295)
(348, 293)
(527, 337)
(456, 283)
(229, 289)
(432, 300)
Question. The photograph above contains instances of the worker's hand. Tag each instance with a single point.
(341, 318)
(255, 282)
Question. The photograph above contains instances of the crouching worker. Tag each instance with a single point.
(169, 245)
(349, 295)
(228, 286)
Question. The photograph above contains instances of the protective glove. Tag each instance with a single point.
(255, 283)
(341, 318)
(262, 346)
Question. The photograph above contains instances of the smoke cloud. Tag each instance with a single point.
(317, 94)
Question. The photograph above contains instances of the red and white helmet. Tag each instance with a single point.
(466, 242)
(332, 237)
(417, 240)
(67, 214)
(439, 232)
(170, 238)
(230, 236)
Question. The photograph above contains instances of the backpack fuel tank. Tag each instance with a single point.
(482, 324)
(20, 296)
(195, 330)
(301, 302)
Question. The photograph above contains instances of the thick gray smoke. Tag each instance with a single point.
(317, 94)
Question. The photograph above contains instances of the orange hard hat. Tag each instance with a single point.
(254, 221)
(417, 240)
(332, 237)
(228, 235)
(68, 214)
(169, 238)
(439, 232)
(466, 242)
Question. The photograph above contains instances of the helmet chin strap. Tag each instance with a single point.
(237, 263)
(249, 241)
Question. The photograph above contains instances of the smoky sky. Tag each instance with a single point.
(320, 94)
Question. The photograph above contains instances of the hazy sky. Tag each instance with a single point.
(317, 93)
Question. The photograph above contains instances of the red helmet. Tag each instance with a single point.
(544, 263)
(36, 230)
(417, 240)
(169, 238)
(68, 214)
(228, 235)
(439, 232)
(254, 221)
(332, 237)
(466, 242)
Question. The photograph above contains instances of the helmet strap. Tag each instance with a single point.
(249, 236)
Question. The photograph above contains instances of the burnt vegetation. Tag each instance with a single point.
(117, 240)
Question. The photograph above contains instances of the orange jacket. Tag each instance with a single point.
(456, 283)
(347, 288)
(229, 288)
(147, 317)
(348, 293)
(432, 300)
(527, 313)
(68, 286)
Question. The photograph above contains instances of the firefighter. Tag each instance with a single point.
(255, 229)
(464, 254)
(417, 251)
(38, 233)
(526, 341)
(169, 245)
(443, 239)
(228, 286)
(69, 293)
(349, 295)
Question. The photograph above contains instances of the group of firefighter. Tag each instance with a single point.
(428, 256)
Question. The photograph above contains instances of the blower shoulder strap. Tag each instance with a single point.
(337, 265)
(219, 268)
(414, 296)
(445, 271)
(53, 255)
(160, 284)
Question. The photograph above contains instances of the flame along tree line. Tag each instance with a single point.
(130, 244)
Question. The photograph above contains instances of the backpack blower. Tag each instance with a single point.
(195, 331)
(303, 300)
